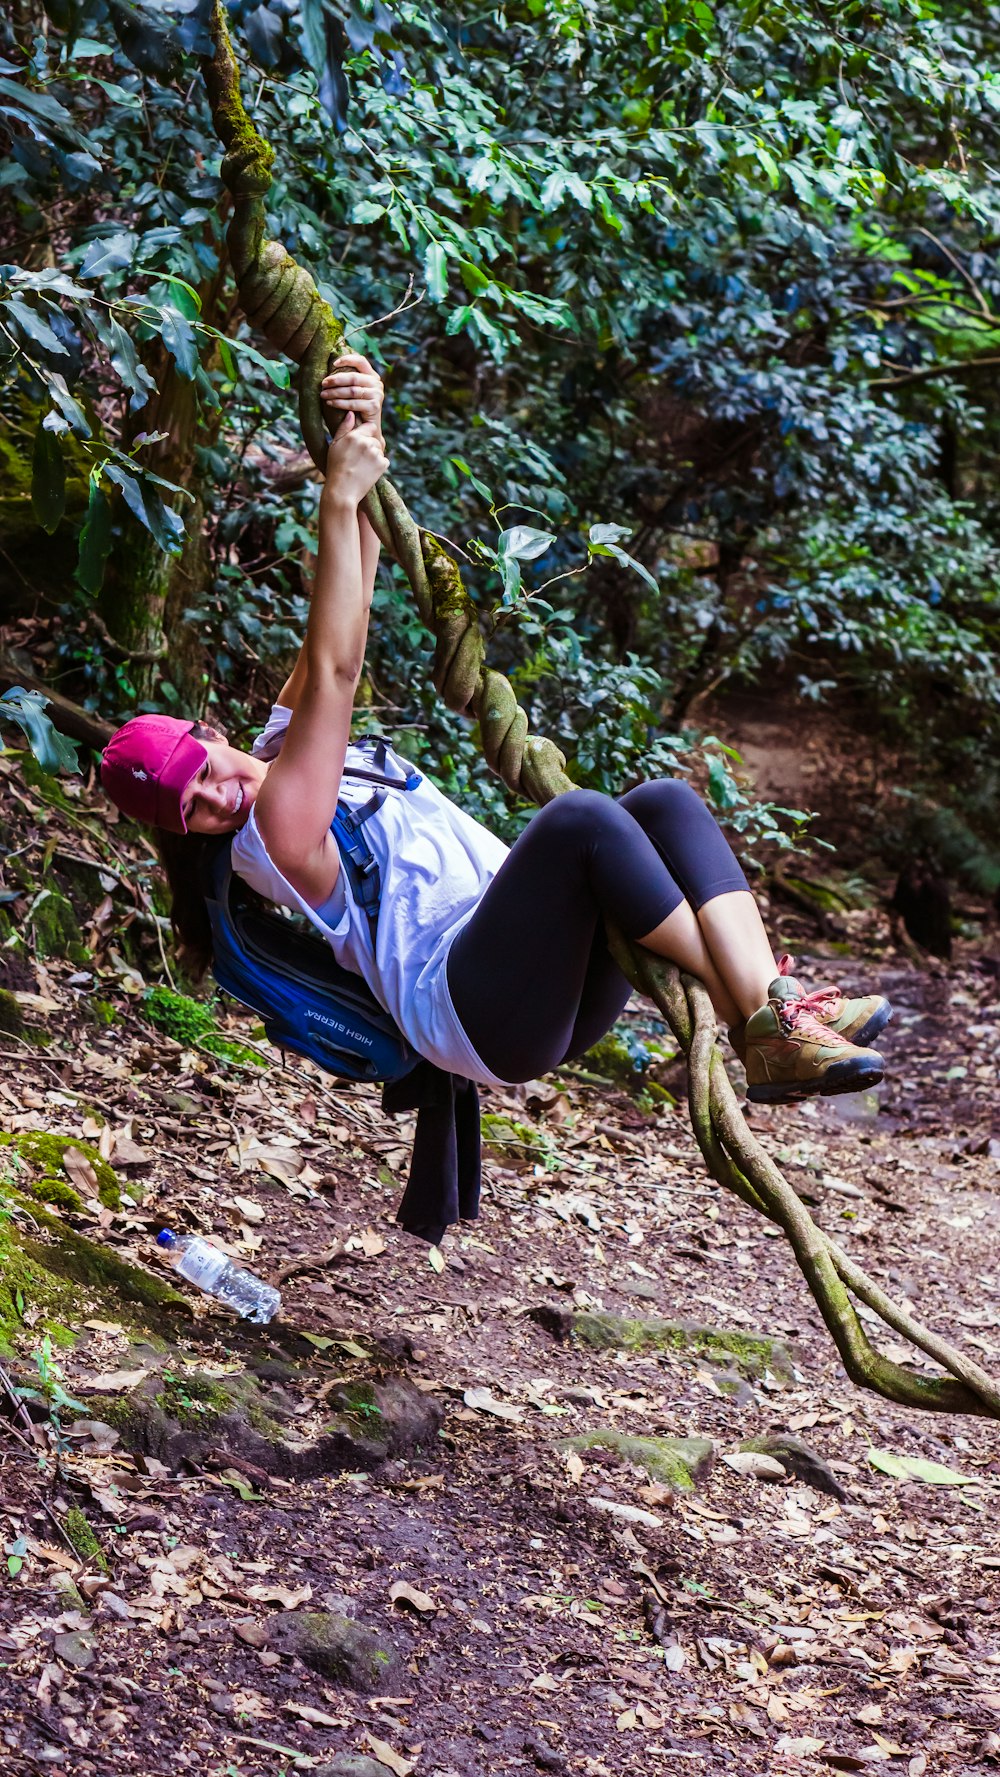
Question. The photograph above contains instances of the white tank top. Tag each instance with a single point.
(436, 864)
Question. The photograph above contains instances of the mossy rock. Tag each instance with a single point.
(676, 1462)
(752, 1354)
(627, 1060)
(26, 1283)
(517, 1143)
(11, 1016)
(56, 929)
(63, 1277)
(342, 1650)
(800, 1459)
(180, 1415)
(45, 1151)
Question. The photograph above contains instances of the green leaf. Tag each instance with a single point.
(39, 107)
(480, 486)
(523, 543)
(112, 252)
(510, 571)
(95, 540)
(125, 361)
(178, 336)
(918, 1468)
(436, 271)
(34, 326)
(276, 368)
(48, 480)
(71, 410)
(366, 211)
(14, 1565)
(52, 750)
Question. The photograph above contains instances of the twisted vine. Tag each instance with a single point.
(281, 300)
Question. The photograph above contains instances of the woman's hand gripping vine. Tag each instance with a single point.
(298, 800)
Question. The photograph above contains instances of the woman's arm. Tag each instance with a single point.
(298, 798)
(352, 386)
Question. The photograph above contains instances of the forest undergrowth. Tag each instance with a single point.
(491, 1509)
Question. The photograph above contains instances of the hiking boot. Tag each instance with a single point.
(790, 1055)
(857, 1021)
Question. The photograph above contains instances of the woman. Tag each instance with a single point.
(492, 962)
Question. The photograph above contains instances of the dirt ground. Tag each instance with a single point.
(750, 1625)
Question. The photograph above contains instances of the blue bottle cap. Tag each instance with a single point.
(166, 1238)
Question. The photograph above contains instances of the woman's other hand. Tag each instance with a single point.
(355, 461)
(352, 386)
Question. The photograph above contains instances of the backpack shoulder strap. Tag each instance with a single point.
(357, 856)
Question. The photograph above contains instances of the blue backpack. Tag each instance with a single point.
(290, 977)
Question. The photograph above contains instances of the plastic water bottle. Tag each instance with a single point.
(213, 1271)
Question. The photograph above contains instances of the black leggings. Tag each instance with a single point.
(531, 976)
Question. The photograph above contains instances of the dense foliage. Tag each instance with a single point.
(706, 289)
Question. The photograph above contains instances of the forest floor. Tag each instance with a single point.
(538, 1608)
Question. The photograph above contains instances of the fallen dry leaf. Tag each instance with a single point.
(403, 1593)
(756, 1465)
(112, 1381)
(249, 1210)
(80, 1171)
(275, 1594)
(394, 1760)
(484, 1402)
(318, 1717)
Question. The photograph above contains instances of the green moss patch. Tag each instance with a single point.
(46, 1153)
(518, 1142)
(675, 1462)
(752, 1354)
(84, 1539)
(191, 1022)
(11, 1016)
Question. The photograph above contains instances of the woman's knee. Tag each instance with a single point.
(577, 815)
(664, 799)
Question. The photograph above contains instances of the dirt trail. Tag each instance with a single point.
(749, 1625)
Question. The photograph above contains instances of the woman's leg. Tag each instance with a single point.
(737, 963)
(530, 975)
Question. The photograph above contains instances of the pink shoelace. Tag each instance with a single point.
(804, 1012)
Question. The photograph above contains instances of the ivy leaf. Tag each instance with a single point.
(52, 749)
(48, 480)
(125, 360)
(480, 486)
(276, 368)
(510, 571)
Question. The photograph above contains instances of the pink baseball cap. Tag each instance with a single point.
(146, 767)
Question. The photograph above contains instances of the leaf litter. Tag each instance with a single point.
(536, 1599)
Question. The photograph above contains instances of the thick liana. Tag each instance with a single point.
(281, 300)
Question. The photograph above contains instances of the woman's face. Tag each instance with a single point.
(220, 798)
